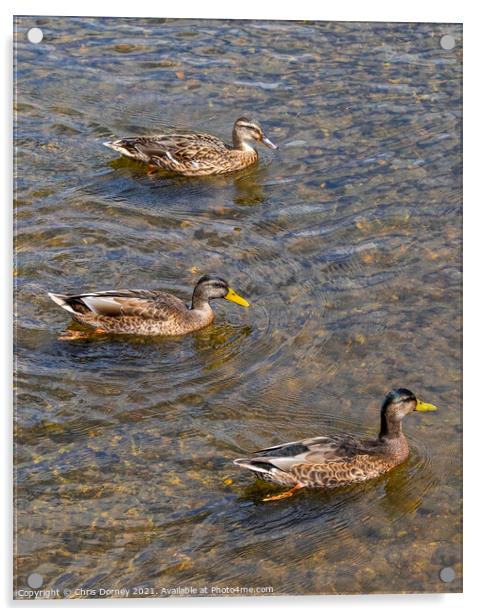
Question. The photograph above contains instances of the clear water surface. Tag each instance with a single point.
(346, 241)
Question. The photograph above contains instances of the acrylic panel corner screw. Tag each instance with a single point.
(35, 35)
(447, 574)
(35, 580)
(447, 42)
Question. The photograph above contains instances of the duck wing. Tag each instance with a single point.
(122, 303)
(323, 460)
(175, 152)
(320, 449)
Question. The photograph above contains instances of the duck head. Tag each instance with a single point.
(397, 404)
(213, 287)
(245, 131)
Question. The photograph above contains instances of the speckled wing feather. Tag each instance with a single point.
(324, 461)
(129, 311)
(128, 302)
(185, 153)
(178, 152)
(321, 449)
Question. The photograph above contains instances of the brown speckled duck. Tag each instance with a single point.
(152, 313)
(196, 153)
(332, 461)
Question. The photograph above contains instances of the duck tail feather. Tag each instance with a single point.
(258, 466)
(62, 301)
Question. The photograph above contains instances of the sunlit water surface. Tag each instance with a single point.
(347, 243)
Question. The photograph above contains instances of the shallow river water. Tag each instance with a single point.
(347, 243)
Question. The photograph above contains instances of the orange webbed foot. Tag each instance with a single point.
(75, 334)
(286, 494)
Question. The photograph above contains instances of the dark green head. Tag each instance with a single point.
(401, 402)
(397, 404)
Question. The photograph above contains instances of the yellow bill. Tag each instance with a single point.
(425, 406)
(232, 296)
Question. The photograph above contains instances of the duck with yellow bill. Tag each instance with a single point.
(151, 313)
(339, 460)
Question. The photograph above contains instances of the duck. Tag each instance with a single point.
(196, 153)
(142, 312)
(339, 460)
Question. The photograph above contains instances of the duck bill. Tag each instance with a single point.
(269, 143)
(232, 296)
(425, 406)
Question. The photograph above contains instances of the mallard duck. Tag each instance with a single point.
(332, 461)
(153, 313)
(196, 153)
